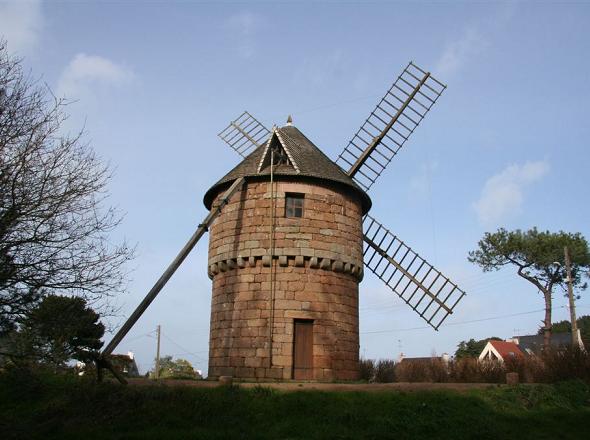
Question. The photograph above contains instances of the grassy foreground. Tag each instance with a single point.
(67, 408)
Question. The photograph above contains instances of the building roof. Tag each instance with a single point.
(506, 349)
(305, 160)
(426, 359)
(126, 363)
(417, 359)
(534, 343)
(121, 357)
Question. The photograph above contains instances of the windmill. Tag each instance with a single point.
(290, 235)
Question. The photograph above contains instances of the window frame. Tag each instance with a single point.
(294, 197)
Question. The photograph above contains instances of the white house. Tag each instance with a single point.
(500, 351)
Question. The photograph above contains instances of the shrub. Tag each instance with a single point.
(367, 369)
(428, 370)
(471, 370)
(385, 371)
(565, 364)
(551, 367)
(465, 370)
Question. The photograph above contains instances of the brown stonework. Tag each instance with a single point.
(316, 261)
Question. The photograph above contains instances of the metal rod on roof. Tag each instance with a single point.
(271, 252)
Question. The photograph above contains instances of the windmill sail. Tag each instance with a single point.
(427, 291)
(389, 126)
(245, 134)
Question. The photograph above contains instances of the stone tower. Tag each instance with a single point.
(286, 259)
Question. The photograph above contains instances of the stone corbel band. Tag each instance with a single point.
(336, 265)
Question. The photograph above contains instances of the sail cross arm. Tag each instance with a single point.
(389, 125)
(245, 134)
(425, 289)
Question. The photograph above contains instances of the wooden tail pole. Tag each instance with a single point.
(188, 247)
(105, 363)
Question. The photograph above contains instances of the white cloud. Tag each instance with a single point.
(86, 72)
(459, 52)
(503, 193)
(243, 26)
(474, 40)
(20, 24)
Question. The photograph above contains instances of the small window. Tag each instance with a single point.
(294, 205)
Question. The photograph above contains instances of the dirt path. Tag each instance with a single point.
(299, 386)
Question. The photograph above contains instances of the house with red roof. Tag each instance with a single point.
(500, 351)
(528, 345)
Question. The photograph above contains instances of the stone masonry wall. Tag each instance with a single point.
(317, 263)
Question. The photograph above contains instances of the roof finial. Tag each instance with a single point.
(289, 121)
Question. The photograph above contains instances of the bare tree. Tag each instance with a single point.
(54, 220)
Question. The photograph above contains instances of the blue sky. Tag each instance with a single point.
(506, 145)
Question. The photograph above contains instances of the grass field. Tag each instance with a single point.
(67, 408)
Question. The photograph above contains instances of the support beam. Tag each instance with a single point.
(102, 362)
(188, 247)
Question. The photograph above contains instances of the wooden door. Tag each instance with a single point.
(303, 350)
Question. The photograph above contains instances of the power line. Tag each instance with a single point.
(481, 283)
(476, 280)
(135, 338)
(382, 306)
(491, 318)
(187, 351)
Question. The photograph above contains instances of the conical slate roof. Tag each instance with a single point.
(305, 160)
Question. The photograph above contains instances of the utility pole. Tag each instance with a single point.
(570, 292)
(157, 372)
